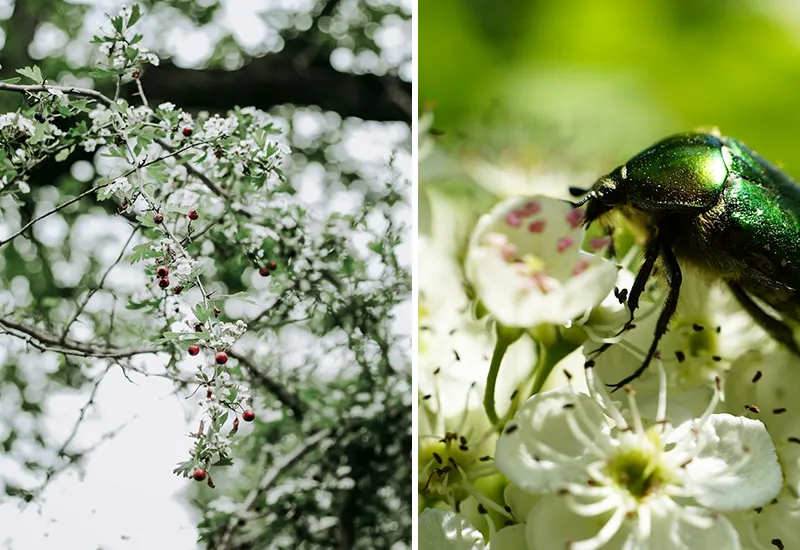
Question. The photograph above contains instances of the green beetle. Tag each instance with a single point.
(710, 202)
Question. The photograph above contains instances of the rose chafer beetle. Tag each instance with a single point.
(709, 202)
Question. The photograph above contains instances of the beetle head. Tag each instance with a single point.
(606, 194)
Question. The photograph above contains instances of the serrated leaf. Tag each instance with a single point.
(33, 72)
(136, 13)
(202, 313)
(116, 22)
(227, 461)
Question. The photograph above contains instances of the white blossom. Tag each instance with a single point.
(616, 480)
(17, 122)
(526, 264)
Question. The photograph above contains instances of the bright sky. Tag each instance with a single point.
(126, 496)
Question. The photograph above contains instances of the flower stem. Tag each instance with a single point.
(549, 356)
(505, 337)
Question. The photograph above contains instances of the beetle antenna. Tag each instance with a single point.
(584, 200)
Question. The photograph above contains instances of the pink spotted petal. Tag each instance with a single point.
(575, 217)
(564, 243)
(537, 226)
(513, 219)
(530, 209)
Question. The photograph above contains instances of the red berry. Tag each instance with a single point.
(177, 289)
(264, 272)
(158, 218)
(222, 358)
(273, 266)
(193, 215)
(194, 350)
(248, 416)
(162, 272)
(163, 283)
(199, 474)
(187, 131)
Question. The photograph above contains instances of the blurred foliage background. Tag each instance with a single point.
(583, 85)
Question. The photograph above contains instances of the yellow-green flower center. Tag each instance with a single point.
(441, 464)
(638, 468)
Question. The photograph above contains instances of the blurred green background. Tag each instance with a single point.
(587, 83)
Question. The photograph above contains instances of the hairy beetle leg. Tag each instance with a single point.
(779, 330)
(672, 270)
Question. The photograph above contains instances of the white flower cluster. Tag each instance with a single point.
(217, 126)
(225, 334)
(517, 458)
(17, 122)
(120, 187)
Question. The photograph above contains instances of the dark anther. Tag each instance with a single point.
(757, 376)
(752, 408)
(680, 356)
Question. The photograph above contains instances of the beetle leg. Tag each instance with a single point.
(650, 257)
(779, 330)
(672, 270)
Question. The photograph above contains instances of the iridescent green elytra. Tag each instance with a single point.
(710, 202)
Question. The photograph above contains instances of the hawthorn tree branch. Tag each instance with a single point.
(289, 399)
(44, 341)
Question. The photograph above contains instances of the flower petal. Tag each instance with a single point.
(445, 530)
(737, 468)
(538, 450)
(525, 262)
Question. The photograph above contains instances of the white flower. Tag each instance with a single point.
(616, 481)
(764, 384)
(100, 116)
(166, 106)
(445, 530)
(217, 126)
(184, 267)
(708, 332)
(527, 267)
(120, 186)
(17, 122)
(90, 145)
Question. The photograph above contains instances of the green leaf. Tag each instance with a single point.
(116, 22)
(63, 154)
(142, 252)
(13, 80)
(33, 72)
(227, 461)
(202, 313)
(136, 13)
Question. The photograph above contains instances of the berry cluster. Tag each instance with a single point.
(162, 272)
(268, 269)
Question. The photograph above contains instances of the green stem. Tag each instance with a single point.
(549, 356)
(505, 337)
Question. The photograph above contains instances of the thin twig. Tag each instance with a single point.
(44, 341)
(98, 287)
(53, 211)
(71, 90)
